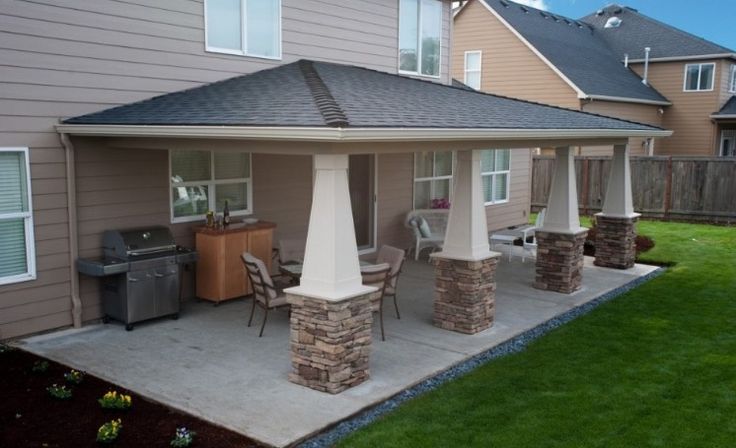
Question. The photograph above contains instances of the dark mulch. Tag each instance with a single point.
(30, 417)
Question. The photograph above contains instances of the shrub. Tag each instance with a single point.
(74, 377)
(40, 367)
(114, 400)
(109, 431)
(59, 392)
(183, 438)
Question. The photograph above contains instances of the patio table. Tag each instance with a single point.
(294, 270)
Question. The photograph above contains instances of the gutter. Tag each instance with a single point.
(726, 116)
(348, 135)
(620, 99)
(71, 204)
(687, 58)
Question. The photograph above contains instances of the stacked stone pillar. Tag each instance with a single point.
(615, 241)
(330, 342)
(560, 261)
(465, 294)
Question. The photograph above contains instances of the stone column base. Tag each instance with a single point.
(615, 241)
(560, 261)
(330, 342)
(465, 293)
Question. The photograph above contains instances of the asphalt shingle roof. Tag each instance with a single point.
(638, 31)
(319, 94)
(576, 50)
(729, 108)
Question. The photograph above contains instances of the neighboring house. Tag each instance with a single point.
(510, 49)
(145, 163)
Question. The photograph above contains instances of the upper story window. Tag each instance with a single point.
(732, 80)
(420, 30)
(18, 260)
(433, 179)
(495, 171)
(246, 27)
(472, 69)
(699, 77)
(203, 180)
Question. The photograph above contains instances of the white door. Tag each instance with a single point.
(362, 184)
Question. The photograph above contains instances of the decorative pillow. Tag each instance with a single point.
(424, 227)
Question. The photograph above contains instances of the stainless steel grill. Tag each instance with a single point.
(141, 274)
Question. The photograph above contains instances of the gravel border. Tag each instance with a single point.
(513, 345)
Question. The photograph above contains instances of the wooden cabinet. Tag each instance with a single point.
(220, 270)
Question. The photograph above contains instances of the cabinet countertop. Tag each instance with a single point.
(234, 228)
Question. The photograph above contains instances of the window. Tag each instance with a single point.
(728, 143)
(732, 80)
(204, 180)
(247, 27)
(472, 69)
(432, 179)
(18, 260)
(699, 77)
(420, 28)
(495, 172)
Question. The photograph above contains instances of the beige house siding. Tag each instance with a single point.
(62, 58)
(641, 113)
(516, 211)
(508, 66)
(689, 115)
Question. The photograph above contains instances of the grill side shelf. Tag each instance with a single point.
(98, 268)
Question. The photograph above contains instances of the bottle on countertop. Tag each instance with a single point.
(226, 215)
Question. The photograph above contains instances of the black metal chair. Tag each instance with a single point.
(265, 294)
(377, 275)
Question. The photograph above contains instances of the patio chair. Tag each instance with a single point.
(377, 275)
(428, 228)
(291, 250)
(394, 257)
(265, 294)
(525, 232)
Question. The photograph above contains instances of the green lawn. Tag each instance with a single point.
(655, 367)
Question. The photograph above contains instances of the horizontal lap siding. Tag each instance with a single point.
(508, 66)
(516, 211)
(641, 113)
(395, 198)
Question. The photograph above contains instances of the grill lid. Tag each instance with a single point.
(137, 242)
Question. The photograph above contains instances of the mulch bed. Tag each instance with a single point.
(30, 417)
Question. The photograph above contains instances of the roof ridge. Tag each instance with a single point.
(331, 111)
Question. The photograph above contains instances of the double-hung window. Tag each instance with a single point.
(732, 80)
(247, 27)
(432, 179)
(17, 250)
(472, 69)
(495, 171)
(420, 30)
(201, 181)
(699, 77)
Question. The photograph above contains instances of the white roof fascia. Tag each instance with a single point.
(687, 58)
(578, 91)
(349, 134)
(622, 99)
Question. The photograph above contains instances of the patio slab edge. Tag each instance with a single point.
(513, 345)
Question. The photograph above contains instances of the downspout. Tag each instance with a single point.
(71, 204)
(646, 65)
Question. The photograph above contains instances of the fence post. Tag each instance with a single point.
(668, 189)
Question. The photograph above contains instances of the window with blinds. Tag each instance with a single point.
(432, 179)
(496, 174)
(203, 180)
(17, 259)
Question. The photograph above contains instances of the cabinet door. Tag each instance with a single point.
(167, 290)
(235, 282)
(260, 244)
(210, 269)
(142, 296)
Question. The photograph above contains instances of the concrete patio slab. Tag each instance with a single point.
(210, 364)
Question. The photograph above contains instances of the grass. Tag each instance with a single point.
(654, 368)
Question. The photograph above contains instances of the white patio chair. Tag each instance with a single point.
(428, 228)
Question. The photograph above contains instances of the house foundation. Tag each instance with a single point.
(465, 294)
(615, 241)
(330, 342)
(560, 261)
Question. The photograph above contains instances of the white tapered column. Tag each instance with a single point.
(560, 241)
(465, 285)
(467, 227)
(615, 245)
(331, 269)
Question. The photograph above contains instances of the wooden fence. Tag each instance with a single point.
(684, 188)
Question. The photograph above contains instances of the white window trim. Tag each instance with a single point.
(479, 70)
(732, 80)
(492, 175)
(211, 184)
(30, 274)
(700, 73)
(726, 134)
(419, 44)
(244, 36)
(430, 179)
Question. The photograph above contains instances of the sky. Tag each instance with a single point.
(714, 20)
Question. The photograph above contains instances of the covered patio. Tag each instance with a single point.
(210, 364)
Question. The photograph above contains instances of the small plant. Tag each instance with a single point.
(5, 348)
(114, 400)
(183, 438)
(59, 392)
(109, 431)
(40, 367)
(74, 377)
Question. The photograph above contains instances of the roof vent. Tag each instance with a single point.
(524, 9)
(599, 12)
(505, 5)
(613, 22)
(541, 13)
(617, 11)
